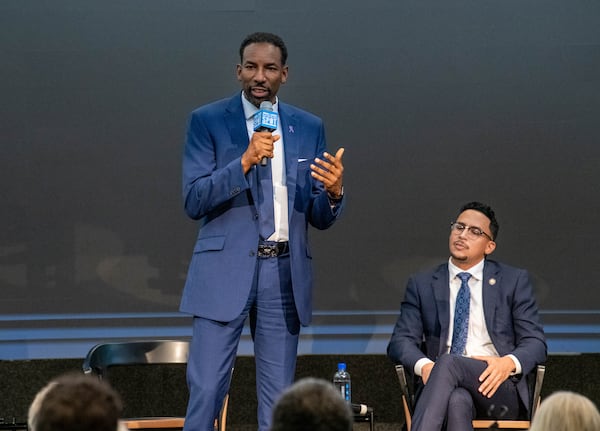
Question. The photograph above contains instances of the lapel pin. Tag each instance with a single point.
(291, 129)
(492, 281)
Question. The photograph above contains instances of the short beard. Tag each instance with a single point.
(256, 102)
(459, 258)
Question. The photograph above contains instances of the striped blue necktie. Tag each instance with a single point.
(461, 315)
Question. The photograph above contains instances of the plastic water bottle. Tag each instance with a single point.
(341, 381)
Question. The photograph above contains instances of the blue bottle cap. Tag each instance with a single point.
(341, 366)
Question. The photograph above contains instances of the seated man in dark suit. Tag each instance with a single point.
(470, 329)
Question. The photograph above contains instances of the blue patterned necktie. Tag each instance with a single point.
(266, 215)
(461, 315)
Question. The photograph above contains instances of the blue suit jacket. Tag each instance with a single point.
(216, 192)
(510, 310)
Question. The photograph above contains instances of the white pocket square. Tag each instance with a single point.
(302, 160)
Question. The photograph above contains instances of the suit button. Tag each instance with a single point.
(252, 253)
(255, 216)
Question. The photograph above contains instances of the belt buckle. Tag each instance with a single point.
(267, 250)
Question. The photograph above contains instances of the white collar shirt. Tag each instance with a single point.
(479, 342)
(280, 192)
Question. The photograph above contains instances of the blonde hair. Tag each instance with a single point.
(566, 411)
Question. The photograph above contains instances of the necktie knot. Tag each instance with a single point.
(464, 277)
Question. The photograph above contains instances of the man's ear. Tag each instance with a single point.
(284, 74)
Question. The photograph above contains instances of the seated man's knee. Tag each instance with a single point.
(461, 403)
(460, 397)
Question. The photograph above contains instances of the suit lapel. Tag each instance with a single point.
(490, 288)
(441, 291)
(236, 124)
(291, 142)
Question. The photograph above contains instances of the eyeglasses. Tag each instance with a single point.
(472, 231)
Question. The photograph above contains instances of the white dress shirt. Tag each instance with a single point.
(479, 342)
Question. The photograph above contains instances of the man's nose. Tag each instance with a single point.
(260, 76)
(463, 233)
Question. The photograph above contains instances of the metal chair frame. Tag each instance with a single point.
(535, 380)
(145, 352)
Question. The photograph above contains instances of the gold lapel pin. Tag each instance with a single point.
(492, 281)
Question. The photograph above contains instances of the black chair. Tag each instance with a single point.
(535, 380)
(103, 356)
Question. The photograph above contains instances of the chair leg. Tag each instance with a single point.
(221, 422)
(407, 416)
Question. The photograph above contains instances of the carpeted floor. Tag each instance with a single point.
(161, 390)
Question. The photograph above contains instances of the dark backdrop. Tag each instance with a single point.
(436, 102)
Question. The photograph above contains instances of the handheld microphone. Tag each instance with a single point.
(359, 409)
(265, 120)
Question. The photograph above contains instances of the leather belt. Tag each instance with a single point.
(273, 249)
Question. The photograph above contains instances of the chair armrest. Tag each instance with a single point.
(537, 388)
(404, 387)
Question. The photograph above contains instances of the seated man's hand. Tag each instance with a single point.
(426, 371)
(497, 371)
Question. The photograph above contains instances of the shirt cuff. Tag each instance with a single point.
(419, 365)
(518, 368)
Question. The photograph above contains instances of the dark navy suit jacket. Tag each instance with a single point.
(511, 317)
(218, 194)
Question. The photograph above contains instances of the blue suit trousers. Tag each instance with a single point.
(275, 328)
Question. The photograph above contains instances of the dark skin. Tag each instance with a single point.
(261, 73)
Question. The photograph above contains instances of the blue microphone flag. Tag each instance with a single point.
(265, 119)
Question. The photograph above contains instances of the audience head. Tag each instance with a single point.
(566, 411)
(312, 405)
(75, 402)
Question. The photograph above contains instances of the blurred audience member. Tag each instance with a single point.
(566, 411)
(312, 404)
(75, 402)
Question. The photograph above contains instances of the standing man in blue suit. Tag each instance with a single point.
(252, 257)
(470, 329)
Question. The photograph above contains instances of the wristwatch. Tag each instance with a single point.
(336, 199)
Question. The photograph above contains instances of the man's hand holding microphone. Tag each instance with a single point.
(262, 143)
(329, 169)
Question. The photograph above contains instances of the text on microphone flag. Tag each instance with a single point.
(264, 119)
